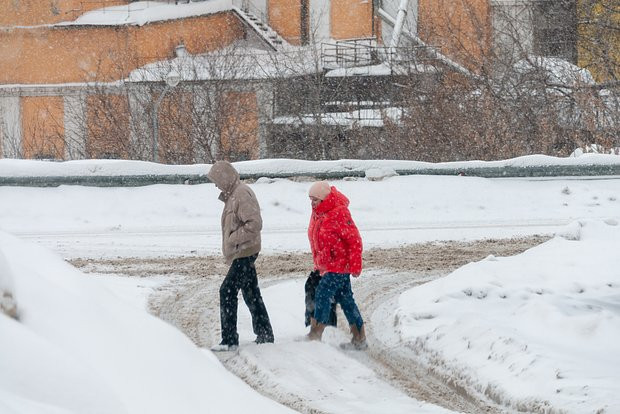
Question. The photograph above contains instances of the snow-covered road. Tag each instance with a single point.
(172, 242)
(318, 377)
(165, 241)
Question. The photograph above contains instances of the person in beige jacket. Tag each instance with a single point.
(241, 243)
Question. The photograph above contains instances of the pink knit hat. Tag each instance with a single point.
(320, 190)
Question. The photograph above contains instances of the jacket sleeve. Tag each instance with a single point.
(248, 213)
(311, 241)
(352, 238)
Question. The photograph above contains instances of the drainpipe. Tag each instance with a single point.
(398, 28)
(398, 25)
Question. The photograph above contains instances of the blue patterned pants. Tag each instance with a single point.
(336, 288)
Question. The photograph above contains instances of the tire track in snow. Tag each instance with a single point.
(397, 363)
(188, 303)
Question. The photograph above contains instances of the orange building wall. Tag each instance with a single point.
(56, 55)
(108, 126)
(37, 12)
(460, 28)
(78, 53)
(175, 129)
(43, 127)
(351, 19)
(285, 18)
(240, 125)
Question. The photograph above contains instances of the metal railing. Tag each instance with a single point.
(349, 53)
(249, 8)
(88, 5)
(365, 52)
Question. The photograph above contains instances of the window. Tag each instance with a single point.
(555, 29)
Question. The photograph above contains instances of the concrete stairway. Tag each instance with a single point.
(262, 29)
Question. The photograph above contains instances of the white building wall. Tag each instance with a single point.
(264, 97)
(319, 20)
(411, 20)
(75, 127)
(260, 5)
(513, 30)
(10, 127)
(140, 125)
(256, 7)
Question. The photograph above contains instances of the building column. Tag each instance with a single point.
(75, 127)
(319, 19)
(264, 98)
(512, 27)
(10, 127)
(140, 130)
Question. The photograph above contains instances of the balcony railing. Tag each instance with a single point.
(366, 52)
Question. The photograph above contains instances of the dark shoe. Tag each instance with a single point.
(264, 339)
(358, 342)
(354, 346)
(224, 348)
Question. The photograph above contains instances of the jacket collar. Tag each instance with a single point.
(333, 200)
(225, 195)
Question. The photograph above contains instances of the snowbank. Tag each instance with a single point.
(77, 348)
(547, 322)
(7, 303)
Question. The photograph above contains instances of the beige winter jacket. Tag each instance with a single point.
(241, 219)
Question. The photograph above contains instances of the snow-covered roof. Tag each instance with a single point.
(381, 69)
(557, 70)
(143, 12)
(235, 62)
(359, 118)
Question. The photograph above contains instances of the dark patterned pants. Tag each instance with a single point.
(310, 288)
(242, 276)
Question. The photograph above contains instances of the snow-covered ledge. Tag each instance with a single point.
(126, 173)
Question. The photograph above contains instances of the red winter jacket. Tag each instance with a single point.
(335, 240)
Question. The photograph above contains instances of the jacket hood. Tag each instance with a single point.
(224, 175)
(320, 190)
(334, 199)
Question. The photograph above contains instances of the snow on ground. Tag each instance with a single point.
(537, 329)
(326, 378)
(536, 332)
(541, 328)
(78, 348)
(162, 220)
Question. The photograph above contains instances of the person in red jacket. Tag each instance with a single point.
(337, 253)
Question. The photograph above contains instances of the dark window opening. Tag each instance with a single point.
(555, 29)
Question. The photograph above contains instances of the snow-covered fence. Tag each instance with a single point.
(331, 173)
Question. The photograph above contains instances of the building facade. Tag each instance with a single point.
(65, 74)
